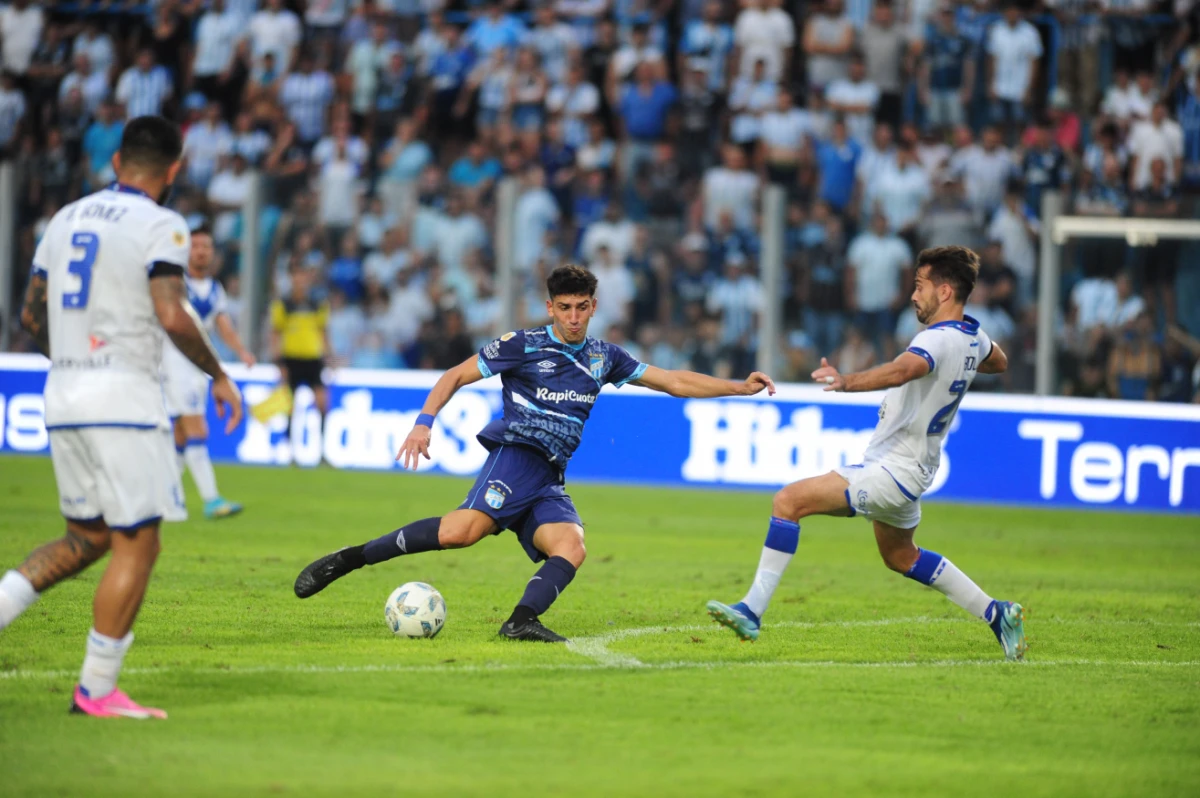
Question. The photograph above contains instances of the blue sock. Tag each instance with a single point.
(927, 567)
(411, 538)
(783, 538)
(944, 576)
(545, 586)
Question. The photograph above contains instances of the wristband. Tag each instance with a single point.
(424, 420)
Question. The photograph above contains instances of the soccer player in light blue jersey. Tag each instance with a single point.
(551, 377)
(924, 387)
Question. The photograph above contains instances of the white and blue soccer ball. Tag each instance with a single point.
(415, 610)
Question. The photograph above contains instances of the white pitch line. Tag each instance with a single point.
(595, 647)
(671, 665)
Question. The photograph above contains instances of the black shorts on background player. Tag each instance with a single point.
(304, 372)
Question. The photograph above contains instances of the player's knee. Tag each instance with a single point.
(899, 559)
(789, 505)
(570, 547)
(456, 535)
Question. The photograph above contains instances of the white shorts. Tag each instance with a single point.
(877, 495)
(185, 389)
(127, 476)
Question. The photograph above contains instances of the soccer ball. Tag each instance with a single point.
(415, 610)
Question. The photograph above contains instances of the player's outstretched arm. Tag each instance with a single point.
(692, 385)
(417, 442)
(996, 362)
(35, 312)
(231, 338)
(905, 368)
(186, 331)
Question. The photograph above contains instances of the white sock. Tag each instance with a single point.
(102, 665)
(771, 566)
(196, 455)
(943, 576)
(782, 538)
(16, 596)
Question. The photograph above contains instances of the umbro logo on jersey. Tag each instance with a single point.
(546, 365)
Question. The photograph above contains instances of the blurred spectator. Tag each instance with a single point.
(644, 109)
(1135, 365)
(12, 112)
(574, 100)
(306, 95)
(737, 296)
(276, 31)
(614, 289)
(145, 87)
(459, 231)
(837, 159)
(901, 192)
(203, 146)
(828, 41)
(764, 31)
(879, 280)
(495, 28)
(856, 353)
(1015, 225)
(986, 170)
(20, 30)
(949, 219)
(698, 107)
(1044, 166)
(227, 193)
(885, 49)
(857, 99)
(553, 40)
(1014, 49)
(217, 35)
(783, 136)
(100, 143)
(1081, 29)
(366, 61)
(821, 287)
(450, 346)
(706, 47)
(749, 98)
(92, 85)
(535, 214)
(731, 187)
(1158, 137)
(97, 45)
(947, 72)
(402, 162)
(392, 258)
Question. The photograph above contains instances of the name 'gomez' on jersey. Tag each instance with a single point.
(549, 388)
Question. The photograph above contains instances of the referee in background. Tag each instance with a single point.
(300, 338)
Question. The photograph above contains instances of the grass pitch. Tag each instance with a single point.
(863, 683)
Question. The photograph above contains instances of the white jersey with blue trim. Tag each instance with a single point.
(105, 338)
(915, 417)
(208, 299)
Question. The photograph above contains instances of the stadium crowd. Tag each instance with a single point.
(642, 134)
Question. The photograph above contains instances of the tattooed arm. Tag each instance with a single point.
(181, 323)
(186, 331)
(35, 312)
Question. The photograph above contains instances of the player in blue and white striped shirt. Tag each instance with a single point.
(306, 95)
(144, 87)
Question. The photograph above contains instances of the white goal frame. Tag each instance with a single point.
(1056, 231)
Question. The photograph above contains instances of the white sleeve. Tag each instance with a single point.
(170, 241)
(42, 255)
(932, 345)
(985, 346)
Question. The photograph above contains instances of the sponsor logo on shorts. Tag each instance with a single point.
(547, 395)
(862, 500)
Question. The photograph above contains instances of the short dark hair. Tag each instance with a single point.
(202, 229)
(571, 280)
(955, 265)
(151, 142)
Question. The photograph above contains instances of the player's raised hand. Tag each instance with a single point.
(829, 376)
(415, 445)
(228, 400)
(756, 382)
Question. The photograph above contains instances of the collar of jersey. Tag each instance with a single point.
(554, 338)
(121, 188)
(968, 325)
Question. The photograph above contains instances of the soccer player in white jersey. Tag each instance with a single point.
(185, 387)
(924, 387)
(107, 281)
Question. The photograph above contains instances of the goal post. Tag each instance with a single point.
(1056, 231)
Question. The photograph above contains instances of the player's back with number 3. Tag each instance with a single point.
(97, 255)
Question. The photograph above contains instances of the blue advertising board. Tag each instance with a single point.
(1002, 449)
